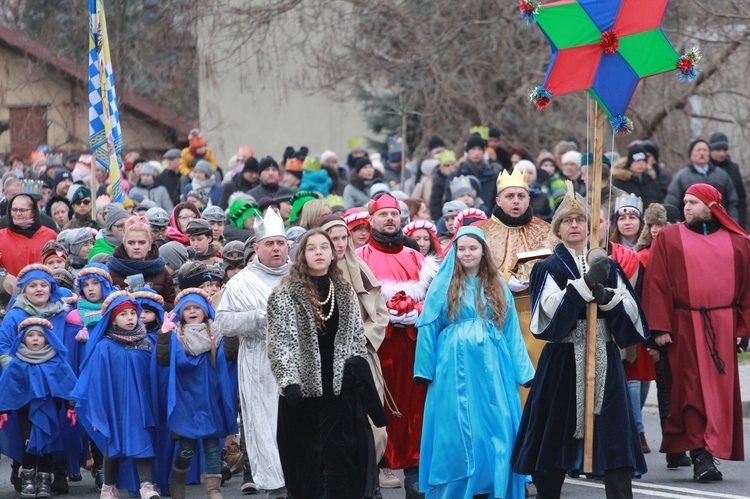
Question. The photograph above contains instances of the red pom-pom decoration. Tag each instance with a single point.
(610, 42)
(529, 10)
(540, 97)
(401, 302)
(686, 65)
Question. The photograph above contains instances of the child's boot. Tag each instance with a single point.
(109, 492)
(177, 486)
(43, 484)
(28, 483)
(213, 486)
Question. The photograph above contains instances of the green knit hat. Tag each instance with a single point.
(241, 210)
(298, 201)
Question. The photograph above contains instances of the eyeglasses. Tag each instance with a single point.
(18, 211)
(119, 226)
(187, 217)
(85, 201)
(570, 220)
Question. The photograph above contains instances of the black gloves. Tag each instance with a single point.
(602, 295)
(598, 271)
(293, 395)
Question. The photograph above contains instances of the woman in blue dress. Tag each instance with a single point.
(471, 352)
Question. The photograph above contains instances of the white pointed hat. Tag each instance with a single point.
(271, 225)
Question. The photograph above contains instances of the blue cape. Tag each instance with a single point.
(38, 386)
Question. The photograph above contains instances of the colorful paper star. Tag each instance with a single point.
(605, 47)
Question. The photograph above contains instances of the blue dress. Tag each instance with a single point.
(473, 407)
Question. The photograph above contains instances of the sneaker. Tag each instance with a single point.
(388, 480)
(147, 491)
(98, 474)
(704, 468)
(677, 460)
(109, 492)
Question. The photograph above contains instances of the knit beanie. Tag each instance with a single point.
(572, 157)
(361, 163)
(474, 140)
(115, 212)
(241, 210)
(635, 153)
(126, 305)
(267, 162)
(174, 254)
(53, 249)
(694, 143)
(77, 238)
(204, 166)
(718, 141)
(251, 165)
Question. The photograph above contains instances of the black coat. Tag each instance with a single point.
(733, 170)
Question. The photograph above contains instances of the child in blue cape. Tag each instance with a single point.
(113, 394)
(39, 296)
(200, 403)
(93, 284)
(152, 311)
(37, 383)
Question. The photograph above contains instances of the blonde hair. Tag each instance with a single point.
(137, 224)
(311, 212)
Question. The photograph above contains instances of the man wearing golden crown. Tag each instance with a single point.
(513, 230)
(242, 312)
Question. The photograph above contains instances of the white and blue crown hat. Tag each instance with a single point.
(193, 296)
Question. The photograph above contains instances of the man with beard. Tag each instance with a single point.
(404, 275)
(242, 312)
(268, 172)
(513, 229)
(696, 297)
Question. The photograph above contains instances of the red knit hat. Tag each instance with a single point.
(122, 306)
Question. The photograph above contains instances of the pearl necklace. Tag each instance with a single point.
(332, 298)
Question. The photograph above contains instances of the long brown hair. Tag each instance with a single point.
(489, 287)
(299, 271)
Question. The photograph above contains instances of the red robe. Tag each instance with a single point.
(687, 269)
(401, 269)
(17, 250)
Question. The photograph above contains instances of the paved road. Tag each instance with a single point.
(658, 482)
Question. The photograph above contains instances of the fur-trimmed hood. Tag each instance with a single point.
(623, 174)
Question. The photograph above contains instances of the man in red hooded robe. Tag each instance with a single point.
(404, 275)
(696, 300)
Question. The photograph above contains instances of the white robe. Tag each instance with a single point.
(239, 314)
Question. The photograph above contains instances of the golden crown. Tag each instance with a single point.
(515, 179)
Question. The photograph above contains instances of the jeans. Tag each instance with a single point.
(638, 393)
(187, 449)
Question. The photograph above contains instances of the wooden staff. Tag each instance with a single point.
(94, 187)
(596, 195)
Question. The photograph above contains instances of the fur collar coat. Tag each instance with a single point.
(292, 338)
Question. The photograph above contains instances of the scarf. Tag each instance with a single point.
(174, 234)
(278, 271)
(129, 339)
(196, 338)
(212, 252)
(205, 185)
(388, 241)
(77, 262)
(26, 229)
(51, 309)
(510, 221)
(126, 267)
(31, 357)
(91, 313)
(111, 239)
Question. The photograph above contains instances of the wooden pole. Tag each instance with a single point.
(94, 188)
(596, 193)
(403, 147)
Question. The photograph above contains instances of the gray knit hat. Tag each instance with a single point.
(76, 239)
(174, 254)
(204, 166)
(115, 212)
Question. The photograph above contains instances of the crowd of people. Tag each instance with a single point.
(314, 324)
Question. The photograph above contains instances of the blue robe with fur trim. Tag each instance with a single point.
(43, 387)
(546, 435)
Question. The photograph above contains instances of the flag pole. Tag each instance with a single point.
(596, 194)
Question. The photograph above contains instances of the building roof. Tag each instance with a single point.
(128, 101)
